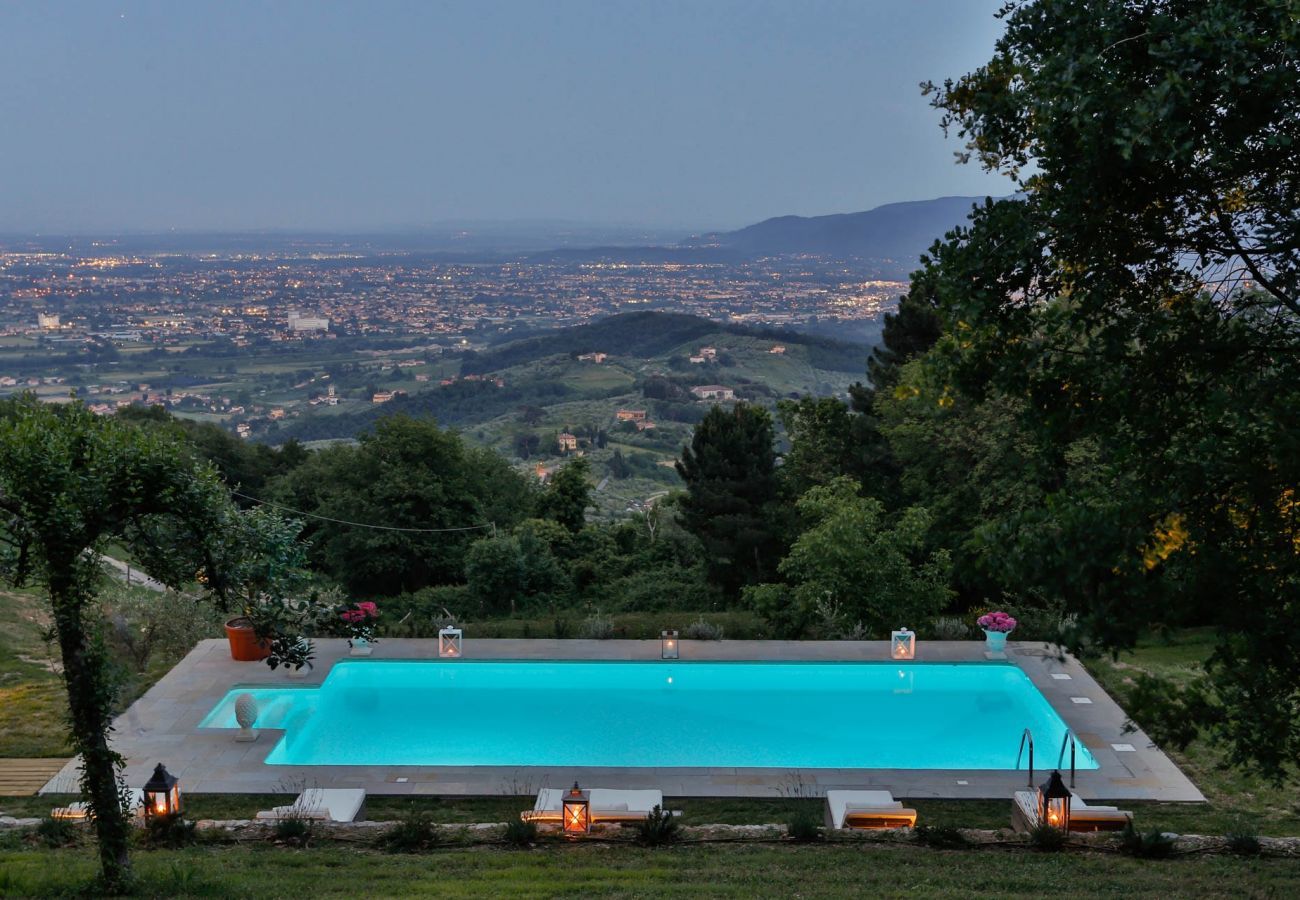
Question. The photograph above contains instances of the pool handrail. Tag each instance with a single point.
(1027, 735)
(1067, 739)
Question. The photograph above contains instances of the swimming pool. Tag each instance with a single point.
(657, 714)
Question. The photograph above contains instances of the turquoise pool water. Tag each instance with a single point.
(659, 714)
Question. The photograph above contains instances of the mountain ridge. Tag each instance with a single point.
(898, 232)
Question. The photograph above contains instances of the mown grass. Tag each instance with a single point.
(1239, 799)
(558, 869)
(33, 705)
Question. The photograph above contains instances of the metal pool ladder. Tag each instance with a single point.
(1027, 736)
(1068, 739)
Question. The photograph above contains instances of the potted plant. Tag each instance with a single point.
(356, 622)
(245, 645)
(996, 625)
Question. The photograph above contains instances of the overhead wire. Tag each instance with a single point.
(299, 512)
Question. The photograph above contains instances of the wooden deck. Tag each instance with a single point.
(21, 777)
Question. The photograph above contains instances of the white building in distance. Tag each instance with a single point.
(299, 322)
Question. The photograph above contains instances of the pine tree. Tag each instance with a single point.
(730, 475)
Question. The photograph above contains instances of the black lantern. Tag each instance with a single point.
(668, 646)
(162, 795)
(1054, 803)
(576, 811)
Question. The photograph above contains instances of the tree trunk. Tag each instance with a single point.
(90, 696)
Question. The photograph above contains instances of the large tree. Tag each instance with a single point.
(1139, 297)
(568, 494)
(398, 511)
(852, 571)
(71, 483)
(731, 492)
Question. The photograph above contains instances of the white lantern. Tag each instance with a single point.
(902, 644)
(668, 645)
(449, 642)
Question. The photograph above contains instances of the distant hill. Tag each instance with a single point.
(647, 334)
(637, 336)
(899, 232)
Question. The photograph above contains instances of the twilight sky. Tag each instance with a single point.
(325, 115)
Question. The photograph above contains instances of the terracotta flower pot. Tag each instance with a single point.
(244, 645)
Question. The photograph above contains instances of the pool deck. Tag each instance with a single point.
(162, 726)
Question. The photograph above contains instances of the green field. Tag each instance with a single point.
(599, 870)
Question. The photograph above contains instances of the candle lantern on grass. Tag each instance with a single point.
(162, 795)
(1054, 803)
(576, 811)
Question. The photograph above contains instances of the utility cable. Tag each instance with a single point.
(299, 512)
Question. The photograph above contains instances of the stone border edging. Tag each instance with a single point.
(485, 834)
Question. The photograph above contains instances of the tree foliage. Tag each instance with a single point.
(70, 483)
(568, 494)
(852, 569)
(410, 477)
(731, 482)
(1137, 303)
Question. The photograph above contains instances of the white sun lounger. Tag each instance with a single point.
(81, 809)
(323, 804)
(1083, 816)
(866, 809)
(607, 805)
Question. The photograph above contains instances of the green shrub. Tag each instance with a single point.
(563, 628)
(147, 626)
(295, 831)
(1045, 837)
(596, 627)
(944, 837)
(53, 832)
(1153, 844)
(411, 834)
(421, 614)
(950, 628)
(657, 829)
(804, 828)
(520, 833)
(169, 831)
(1244, 843)
(700, 630)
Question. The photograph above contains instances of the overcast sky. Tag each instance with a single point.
(320, 115)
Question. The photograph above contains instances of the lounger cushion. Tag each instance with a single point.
(840, 803)
(883, 818)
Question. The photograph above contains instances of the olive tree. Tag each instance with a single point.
(70, 483)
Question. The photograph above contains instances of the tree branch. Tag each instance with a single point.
(1225, 223)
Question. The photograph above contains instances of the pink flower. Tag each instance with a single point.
(997, 621)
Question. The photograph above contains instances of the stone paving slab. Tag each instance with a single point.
(162, 726)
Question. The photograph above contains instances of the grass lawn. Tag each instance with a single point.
(32, 700)
(556, 869)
